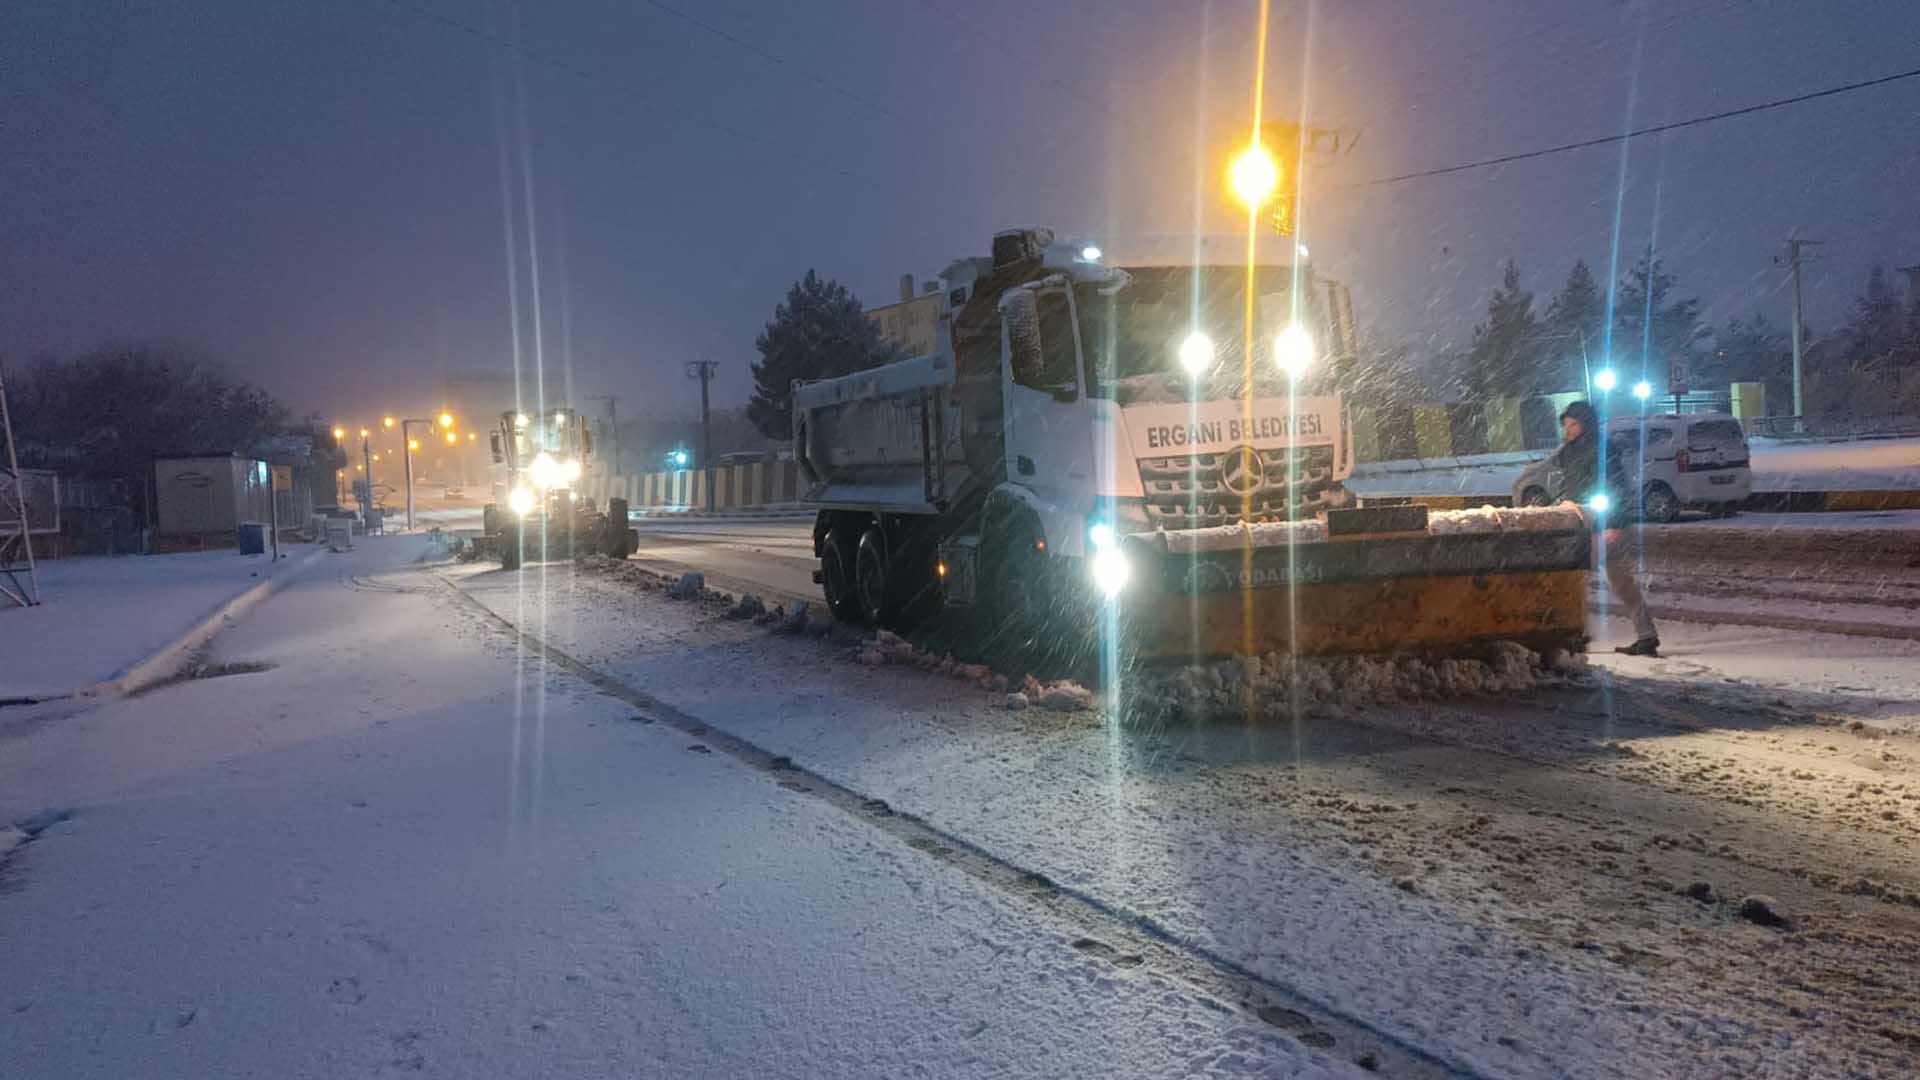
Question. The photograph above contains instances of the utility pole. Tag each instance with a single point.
(1794, 261)
(703, 370)
(29, 596)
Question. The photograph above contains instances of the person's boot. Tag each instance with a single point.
(1646, 646)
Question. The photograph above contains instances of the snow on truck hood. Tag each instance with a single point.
(1212, 427)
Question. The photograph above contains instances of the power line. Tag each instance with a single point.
(1639, 132)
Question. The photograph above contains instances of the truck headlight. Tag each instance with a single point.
(1293, 350)
(1111, 570)
(521, 501)
(1196, 353)
(545, 472)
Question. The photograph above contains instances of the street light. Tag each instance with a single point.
(1643, 389)
(1605, 380)
(386, 422)
(364, 433)
(1253, 176)
(413, 444)
(446, 420)
(453, 439)
(339, 433)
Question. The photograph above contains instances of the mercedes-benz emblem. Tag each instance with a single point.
(1241, 471)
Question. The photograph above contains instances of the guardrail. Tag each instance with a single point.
(1832, 427)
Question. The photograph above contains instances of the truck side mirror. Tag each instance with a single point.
(1021, 314)
(493, 440)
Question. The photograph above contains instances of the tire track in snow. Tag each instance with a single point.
(1105, 931)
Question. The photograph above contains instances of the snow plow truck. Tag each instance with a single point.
(538, 511)
(1081, 442)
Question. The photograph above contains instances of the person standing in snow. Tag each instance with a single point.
(1586, 470)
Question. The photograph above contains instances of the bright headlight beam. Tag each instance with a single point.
(1111, 571)
(1293, 350)
(1196, 353)
(520, 501)
(1600, 503)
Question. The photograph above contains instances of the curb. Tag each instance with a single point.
(166, 660)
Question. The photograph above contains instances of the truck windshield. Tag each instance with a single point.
(1133, 337)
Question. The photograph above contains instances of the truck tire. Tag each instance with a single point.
(873, 579)
(836, 576)
(511, 544)
(490, 520)
(618, 533)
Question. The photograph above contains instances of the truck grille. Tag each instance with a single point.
(1198, 490)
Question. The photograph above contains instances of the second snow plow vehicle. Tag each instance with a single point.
(1073, 439)
(537, 510)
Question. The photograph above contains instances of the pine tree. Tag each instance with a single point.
(1503, 359)
(1652, 329)
(1754, 350)
(1572, 333)
(819, 331)
(1875, 338)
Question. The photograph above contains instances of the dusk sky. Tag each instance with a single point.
(314, 192)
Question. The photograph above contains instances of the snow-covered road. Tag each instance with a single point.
(1552, 885)
(391, 842)
(393, 833)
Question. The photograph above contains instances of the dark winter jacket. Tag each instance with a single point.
(1577, 465)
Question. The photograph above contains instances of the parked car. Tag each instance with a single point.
(1693, 461)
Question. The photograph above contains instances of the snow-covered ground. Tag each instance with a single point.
(1509, 885)
(101, 616)
(406, 847)
(1778, 465)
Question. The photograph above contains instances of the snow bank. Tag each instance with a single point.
(1492, 519)
(1242, 535)
(886, 648)
(1485, 519)
(1275, 687)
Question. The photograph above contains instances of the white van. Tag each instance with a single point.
(1693, 461)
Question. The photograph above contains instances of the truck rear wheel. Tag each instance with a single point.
(836, 576)
(873, 578)
(490, 520)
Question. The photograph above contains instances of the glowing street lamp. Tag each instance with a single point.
(453, 439)
(1605, 380)
(339, 433)
(387, 422)
(1253, 176)
(446, 420)
(365, 433)
(1643, 389)
(413, 444)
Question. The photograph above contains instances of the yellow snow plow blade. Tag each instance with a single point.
(1364, 581)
